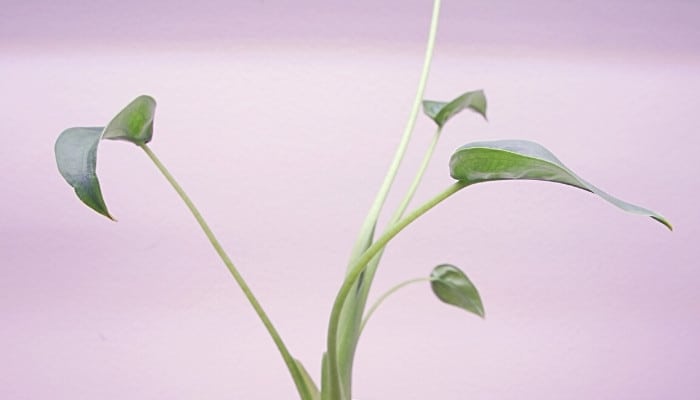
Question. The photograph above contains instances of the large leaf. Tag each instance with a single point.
(453, 287)
(521, 159)
(76, 156)
(441, 112)
(76, 149)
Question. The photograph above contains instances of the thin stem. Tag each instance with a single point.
(371, 220)
(366, 235)
(358, 299)
(288, 359)
(417, 180)
(388, 293)
(356, 270)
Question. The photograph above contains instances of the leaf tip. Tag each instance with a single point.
(663, 221)
(452, 286)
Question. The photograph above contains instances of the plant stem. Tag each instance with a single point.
(358, 299)
(288, 359)
(416, 181)
(388, 293)
(366, 235)
(356, 270)
(370, 222)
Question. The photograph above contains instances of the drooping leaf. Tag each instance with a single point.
(441, 112)
(312, 391)
(134, 123)
(76, 156)
(76, 149)
(521, 159)
(453, 287)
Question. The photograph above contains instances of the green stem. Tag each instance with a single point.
(416, 181)
(288, 359)
(354, 274)
(357, 301)
(383, 297)
(366, 235)
(370, 222)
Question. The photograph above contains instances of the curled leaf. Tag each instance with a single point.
(453, 287)
(76, 156)
(76, 149)
(525, 160)
(441, 112)
(134, 123)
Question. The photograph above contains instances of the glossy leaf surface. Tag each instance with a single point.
(525, 160)
(76, 157)
(453, 287)
(441, 112)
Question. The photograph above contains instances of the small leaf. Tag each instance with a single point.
(76, 156)
(521, 159)
(441, 112)
(134, 123)
(76, 149)
(453, 287)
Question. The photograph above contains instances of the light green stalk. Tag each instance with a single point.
(337, 390)
(357, 300)
(388, 293)
(370, 222)
(304, 391)
(355, 305)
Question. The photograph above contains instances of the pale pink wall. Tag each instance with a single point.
(280, 120)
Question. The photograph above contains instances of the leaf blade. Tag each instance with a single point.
(76, 148)
(525, 160)
(76, 158)
(452, 286)
(134, 123)
(441, 112)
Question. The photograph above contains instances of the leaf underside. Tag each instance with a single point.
(441, 112)
(76, 156)
(524, 160)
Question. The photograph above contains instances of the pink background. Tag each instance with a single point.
(280, 121)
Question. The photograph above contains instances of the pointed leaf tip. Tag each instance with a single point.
(452, 286)
(524, 160)
(441, 112)
(76, 157)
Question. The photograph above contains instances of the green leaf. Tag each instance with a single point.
(134, 123)
(311, 388)
(521, 159)
(76, 156)
(453, 287)
(441, 112)
(76, 149)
